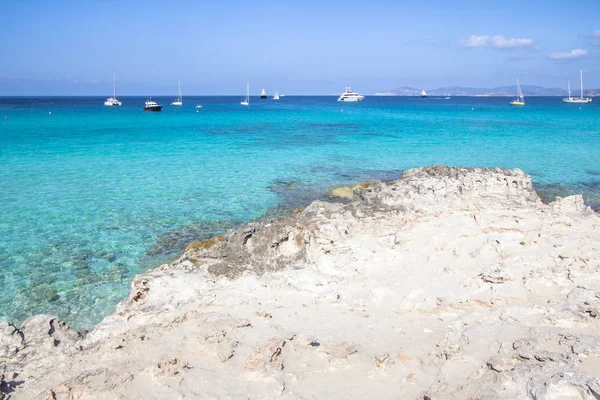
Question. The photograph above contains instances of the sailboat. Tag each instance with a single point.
(247, 100)
(423, 93)
(520, 101)
(179, 101)
(112, 101)
(276, 96)
(580, 99)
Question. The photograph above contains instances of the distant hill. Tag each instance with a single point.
(528, 90)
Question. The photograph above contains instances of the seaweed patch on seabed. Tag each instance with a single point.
(344, 176)
(174, 242)
(590, 191)
(294, 194)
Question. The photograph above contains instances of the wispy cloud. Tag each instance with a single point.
(497, 41)
(596, 33)
(569, 55)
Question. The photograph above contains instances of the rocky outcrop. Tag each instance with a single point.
(450, 283)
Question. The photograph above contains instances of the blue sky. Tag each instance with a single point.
(299, 47)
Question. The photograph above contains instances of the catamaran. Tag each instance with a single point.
(276, 96)
(247, 100)
(580, 99)
(112, 101)
(423, 93)
(520, 101)
(179, 101)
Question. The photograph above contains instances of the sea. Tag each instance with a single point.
(92, 195)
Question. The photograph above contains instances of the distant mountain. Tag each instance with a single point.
(528, 90)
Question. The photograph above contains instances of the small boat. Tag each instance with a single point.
(447, 98)
(520, 101)
(276, 96)
(350, 96)
(112, 101)
(198, 105)
(423, 93)
(247, 100)
(263, 94)
(152, 105)
(578, 100)
(178, 101)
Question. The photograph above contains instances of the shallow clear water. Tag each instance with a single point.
(92, 195)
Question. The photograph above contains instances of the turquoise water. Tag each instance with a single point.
(92, 195)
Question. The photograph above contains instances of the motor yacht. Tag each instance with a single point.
(349, 96)
(152, 105)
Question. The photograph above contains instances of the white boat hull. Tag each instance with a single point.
(577, 100)
(351, 99)
(177, 103)
(112, 102)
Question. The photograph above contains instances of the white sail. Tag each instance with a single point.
(179, 101)
(423, 93)
(247, 100)
(519, 91)
(581, 77)
(276, 95)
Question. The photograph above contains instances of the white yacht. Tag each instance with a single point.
(580, 99)
(246, 101)
(263, 94)
(179, 101)
(349, 96)
(276, 96)
(112, 101)
(423, 93)
(151, 105)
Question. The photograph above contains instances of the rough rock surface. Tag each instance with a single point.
(447, 284)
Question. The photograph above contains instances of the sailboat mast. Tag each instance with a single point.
(581, 77)
(569, 83)
(179, 86)
(115, 86)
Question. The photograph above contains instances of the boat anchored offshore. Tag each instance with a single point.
(520, 101)
(577, 100)
(179, 101)
(276, 96)
(112, 101)
(246, 101)
(152, 105)
(349, 96)
(263, 94)
(423, 93)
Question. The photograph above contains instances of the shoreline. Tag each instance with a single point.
(400, 284)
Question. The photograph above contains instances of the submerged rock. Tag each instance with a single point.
(450, 283)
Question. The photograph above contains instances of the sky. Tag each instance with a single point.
(298, 47)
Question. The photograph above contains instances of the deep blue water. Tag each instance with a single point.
(92, 195)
